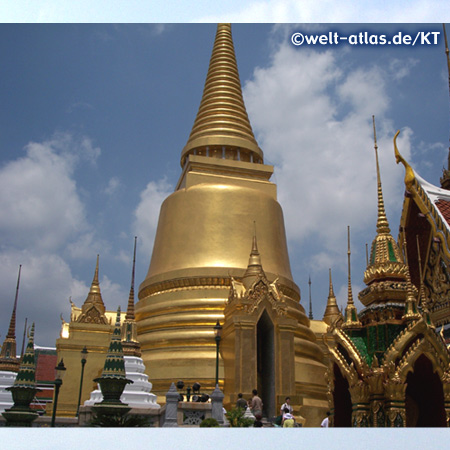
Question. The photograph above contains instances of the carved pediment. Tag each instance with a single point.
(92, 315)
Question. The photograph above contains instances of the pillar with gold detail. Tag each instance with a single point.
(202, 241)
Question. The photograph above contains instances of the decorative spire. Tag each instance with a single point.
(130, 343)
(411, 312)
(382, 223)
(8, 354)
(254, 268)
(332, 312)
(114, 364)
(445, 179)
(222, 119)
(130, 309)
(24, 335)
(93, 309)
(351, 315)
(310, 302)
(386, 259)
(27, 371)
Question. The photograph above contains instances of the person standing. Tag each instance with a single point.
(257, 404)
(287, 404)
(241, 403)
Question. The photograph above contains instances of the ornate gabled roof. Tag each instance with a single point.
(93, 309)
(432, 201)
(222, 119)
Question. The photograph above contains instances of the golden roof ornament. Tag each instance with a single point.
(332, 312)
(254, 268)
(222, 120)
(351, 315)
(422, 299)
(385, 257)
(93, 309)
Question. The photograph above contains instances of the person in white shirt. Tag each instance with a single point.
(287, 405)
(324, 423)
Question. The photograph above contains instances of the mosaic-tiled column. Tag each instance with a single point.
(395, 389)
(360, 404)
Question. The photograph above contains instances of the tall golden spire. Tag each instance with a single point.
(93, 309)
(8, 354)
(130, 343)
(385, 257)
(130, 308)
(222, 121)
(382, 222)
(311, 317)
(351, 315)
(332, 310)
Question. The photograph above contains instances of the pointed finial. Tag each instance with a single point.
(24, 334)
(12, 323)
(130, 309)
(332, 311)
(26, 376)
(222, 119)
(95, 286)
(310, 302)
(382, 223)
(351, 315)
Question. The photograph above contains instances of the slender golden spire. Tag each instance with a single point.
(130, 343)
(382, 222)
(222, 120)
(445, 179)
(8, 354)
(351, 315)
(332, 310)
(130, 309)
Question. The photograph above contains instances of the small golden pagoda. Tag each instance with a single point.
(90, 326)
(200, 257)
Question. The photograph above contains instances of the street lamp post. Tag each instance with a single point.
(60, 371)
(84, 354)
(217, 334)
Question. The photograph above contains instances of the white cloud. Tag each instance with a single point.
(147, 213)
(323, 150)
(288, 11)
(113, 184)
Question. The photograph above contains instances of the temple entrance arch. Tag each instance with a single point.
(265, 365)
(424, 396)
(342, 400)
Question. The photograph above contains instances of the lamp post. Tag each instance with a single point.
(60, 371)
(217, 334)
(84, 354)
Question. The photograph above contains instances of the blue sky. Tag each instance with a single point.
(95, 118)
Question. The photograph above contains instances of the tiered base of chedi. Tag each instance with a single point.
(137, 394)
(6, 380)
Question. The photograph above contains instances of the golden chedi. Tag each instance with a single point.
(201, 254)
